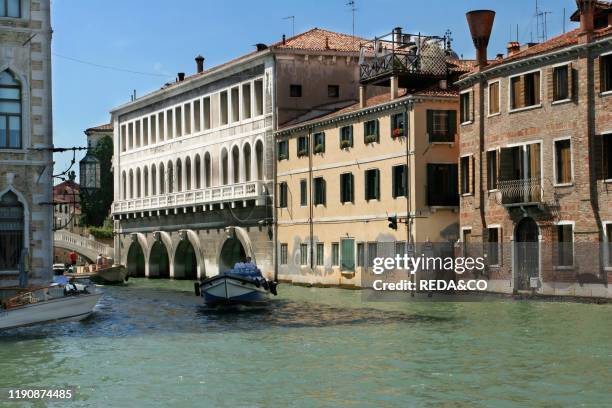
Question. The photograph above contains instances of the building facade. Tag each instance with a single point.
(536, 155)
(26, 163)
(194, 164)
(377, 177)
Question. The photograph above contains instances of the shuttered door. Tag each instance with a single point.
(348, 255)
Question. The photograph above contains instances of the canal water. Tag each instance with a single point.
(150, 343)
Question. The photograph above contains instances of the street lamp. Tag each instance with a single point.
(90, 172)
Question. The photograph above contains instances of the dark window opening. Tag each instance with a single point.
(346, 188)
(295, 91)
(319, 190)
(333, 91)
(400, 181)
(442, 185)
(372, 184)
(441, 125)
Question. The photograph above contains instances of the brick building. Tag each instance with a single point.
(26, 164)
(535, 165)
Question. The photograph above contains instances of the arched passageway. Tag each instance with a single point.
(231, 252)
(185, 261)
(136, 261)
(159, 262)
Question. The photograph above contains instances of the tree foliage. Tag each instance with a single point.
(95, 206)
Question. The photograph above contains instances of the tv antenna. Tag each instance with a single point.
(541, 18)
(292, 18)
(353, 10)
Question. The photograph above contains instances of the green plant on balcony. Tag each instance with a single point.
(345, 144)
(302, 153)
(370, 139)
(319, 148)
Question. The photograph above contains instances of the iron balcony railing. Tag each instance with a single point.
(521, 191)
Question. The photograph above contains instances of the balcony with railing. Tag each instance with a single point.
(252, 190)
(410, 57)
(520, 192)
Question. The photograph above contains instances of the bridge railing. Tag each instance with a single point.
(75, 241)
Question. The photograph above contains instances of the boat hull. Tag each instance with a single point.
(226, 290)
(112, 275)
(68, 308)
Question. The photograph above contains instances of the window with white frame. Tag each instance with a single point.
(525, 90)
(10, 111)
(303, 254)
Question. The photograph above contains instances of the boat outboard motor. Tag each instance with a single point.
(265, 285)
(273, 286)
(196, 288)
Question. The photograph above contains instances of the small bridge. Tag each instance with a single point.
(84, 246)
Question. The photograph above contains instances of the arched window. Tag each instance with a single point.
(246, 153)
(236, 164)
(10, 111)
(153, 181)
(198, 172)
(138, 183)
(11, 231)
(179, 175)
(170, 178)
(124, 186)
(259, 159)
(162, 179)
(207, 170)
(145, 181)
(188, 173)
(131, 184)
(224, 167)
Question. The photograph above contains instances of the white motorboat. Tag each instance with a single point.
(47, 304)
(242, 285)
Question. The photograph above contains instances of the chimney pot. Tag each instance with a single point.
(397, 36)
(480, 23)
(199, 63)
(284, 38)
(513, 47)
(181, 76)
(586, 8)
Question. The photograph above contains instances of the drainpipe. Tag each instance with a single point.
(274, 165)
(310, 224)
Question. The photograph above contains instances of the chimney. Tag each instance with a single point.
(284, 39)
(513, 47)
(181, 76)
(586, 8)
(397, 36)
(260, 46)
(480, 23)
(199, 63)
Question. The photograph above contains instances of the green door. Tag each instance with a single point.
(347, 261)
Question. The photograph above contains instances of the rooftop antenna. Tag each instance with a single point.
(353, 10)
(564, 20)
(541, 16)
(292, 18)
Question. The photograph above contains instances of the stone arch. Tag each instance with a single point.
(136, 262)
(259, 159)
(230, 252)
(160, 259)
(188, 262)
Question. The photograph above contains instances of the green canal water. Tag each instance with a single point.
(151, 344)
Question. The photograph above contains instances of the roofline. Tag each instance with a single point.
(507, 66)
(405, 100)
(181, 87)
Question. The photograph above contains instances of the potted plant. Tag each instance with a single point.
(370, 139)
(398, 132)
(345, 144)
(319, 148)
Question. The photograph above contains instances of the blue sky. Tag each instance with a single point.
(162, 38)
